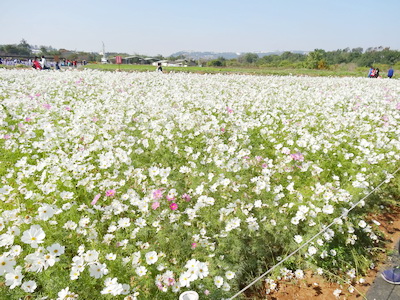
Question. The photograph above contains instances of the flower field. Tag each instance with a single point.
(145, 185)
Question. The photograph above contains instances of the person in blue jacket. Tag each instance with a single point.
(390, 72)
(370, 72)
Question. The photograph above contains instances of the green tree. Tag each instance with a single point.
(316, 59)
(248, 58)
(43, 50)
(219, 62)
(11, 49)
(24, 47)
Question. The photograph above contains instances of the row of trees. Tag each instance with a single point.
(317, 59)
(23, 49)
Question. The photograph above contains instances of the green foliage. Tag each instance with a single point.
(248, 58)
(219, 62)
(316, 60)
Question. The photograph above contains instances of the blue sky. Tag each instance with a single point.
(163, 27)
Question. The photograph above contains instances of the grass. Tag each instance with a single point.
(358, 72)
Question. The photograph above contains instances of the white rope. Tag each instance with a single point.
(344, 214)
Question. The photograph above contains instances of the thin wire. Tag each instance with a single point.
(344, 214)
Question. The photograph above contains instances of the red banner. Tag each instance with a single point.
(118, 60)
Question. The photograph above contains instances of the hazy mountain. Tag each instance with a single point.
(226, 55)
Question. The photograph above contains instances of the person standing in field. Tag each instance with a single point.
(43, 63)
(377, 73)
(373, 73)
(159, 67)
(36, 65)
(390, 72)
(370, 72)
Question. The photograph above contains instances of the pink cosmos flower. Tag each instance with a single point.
(38, 95)
(207, 292)
(7, 136)
(110, 193)
(223, 129)
(68, 108)
(186, 197)
(47, 106)
(297, 156)
(171, 281)
(27, 119)
(194, 245)
(155, 205)
(157, 194)
(170, 198)
(264, 165)
(95, 199)
(95, 119)
(229, 110)
(173, 206)
(398, 106)
(258, 158)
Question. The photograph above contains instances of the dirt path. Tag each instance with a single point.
(315, 287)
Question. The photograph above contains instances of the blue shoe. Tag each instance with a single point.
(392, 275)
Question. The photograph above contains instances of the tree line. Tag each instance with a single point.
(24, 50)
(317, 59)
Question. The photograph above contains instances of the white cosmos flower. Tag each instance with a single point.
(66, 294)
(312, 250)
(91, 256)
(151, 257)
(229, 275)
(299, 274)
(14, 278)
(45, 212)
(97, 270)
(56, 249)
(124, 223)
(49, 260)
(328, 209)
(6, 239)
(111, 256)
(298, 239)
(6, 264)
(71, 225)
(337, 293)
(226, 287)
(29, 286)
(141, 271)
(362, 224)
(184, 279)
(34, 236)
(218, 281)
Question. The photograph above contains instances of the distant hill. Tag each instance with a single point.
(227, 55)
